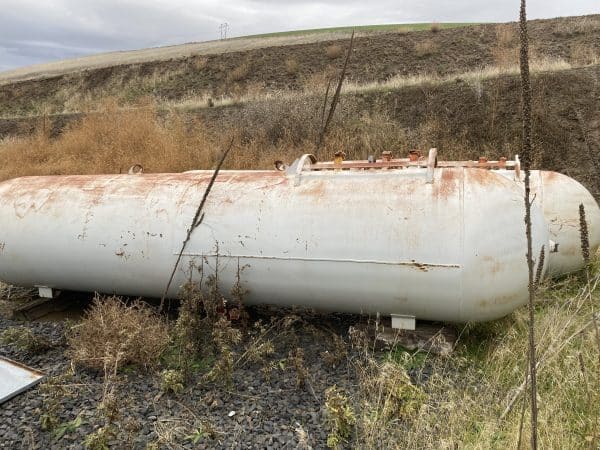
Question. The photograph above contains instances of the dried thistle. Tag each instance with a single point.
(338, 352)
(583, 234)
(238, 292)
(540, 266)
(296, 359)
(224, 337)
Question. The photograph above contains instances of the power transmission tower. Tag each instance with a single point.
(224, 28)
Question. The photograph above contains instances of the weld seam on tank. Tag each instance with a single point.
(300, 258)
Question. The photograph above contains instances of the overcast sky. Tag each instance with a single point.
(37, 31)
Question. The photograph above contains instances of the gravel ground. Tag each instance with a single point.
(253, 413)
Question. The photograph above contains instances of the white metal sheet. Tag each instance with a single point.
(16, 378)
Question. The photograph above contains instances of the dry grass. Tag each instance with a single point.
(463, 401)
(275, 126)
(200, 62)
(113, 333)
(570, 27)
(435, 27)
(24, 340)
(478, 75)
(426, 48)
(291, 66)
(506, 51)
(10, 293)
(584, 55)
(182, 82)
(239, 73)
(111, 141)
(316, 83)
(334, 51)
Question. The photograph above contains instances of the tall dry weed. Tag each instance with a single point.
(113, 333)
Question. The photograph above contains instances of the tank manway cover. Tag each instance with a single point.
(16, 378)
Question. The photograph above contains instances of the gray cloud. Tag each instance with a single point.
(36, 32)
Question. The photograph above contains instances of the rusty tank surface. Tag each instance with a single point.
(411, 238)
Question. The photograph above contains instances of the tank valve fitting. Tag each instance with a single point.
(414, 155)
(338, 157)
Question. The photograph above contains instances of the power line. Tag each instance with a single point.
(223, 29)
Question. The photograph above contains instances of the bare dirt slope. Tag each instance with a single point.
(294, 65)
(170, 52)
(167, 53)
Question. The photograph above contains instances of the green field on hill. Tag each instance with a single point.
(363, 28)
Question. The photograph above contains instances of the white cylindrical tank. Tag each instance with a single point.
(445, 244)
(560, 197)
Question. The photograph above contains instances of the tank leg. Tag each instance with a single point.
(46, 292)
(402, 322)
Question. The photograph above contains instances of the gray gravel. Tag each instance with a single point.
(267, 414)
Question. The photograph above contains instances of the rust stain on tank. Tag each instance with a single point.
(501, 300)
(315, 188)
(507, 299)
(551, 176)
(447, 186)
(255, 175)
(484, 177)
(494, 266)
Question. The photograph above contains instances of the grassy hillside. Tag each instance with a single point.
(306, 66)
(238, 44)
(390, 28)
